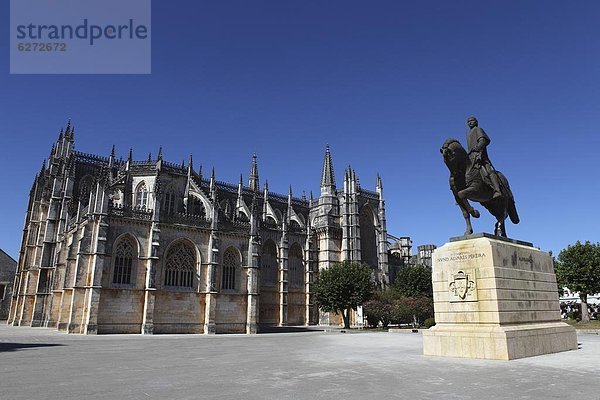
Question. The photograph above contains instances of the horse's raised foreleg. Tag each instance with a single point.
(462, 198)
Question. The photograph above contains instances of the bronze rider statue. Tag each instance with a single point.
(477, 142)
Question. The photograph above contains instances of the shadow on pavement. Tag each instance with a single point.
(287, 329)
(21, 346)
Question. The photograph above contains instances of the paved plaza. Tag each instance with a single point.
(39, 363)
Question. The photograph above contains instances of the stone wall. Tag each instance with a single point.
(296, 309)
(231, 313)
(178, 312)
(8, 267)
(120, 311)
(268, 305)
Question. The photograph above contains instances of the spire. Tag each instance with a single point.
(111, 159)
(290, 196)
(190, 164)
(240, 188)
(253, 219)
(379, 187)
(253, 178)
(160, 155)
(129, 159)
(212, 181)
(43, 169)
(265, 199)
(327, 176)
(149, 156)
(303, 195)
(311, 201)
(214, 212)
(59, 144)
(68, 130)
(200, 174)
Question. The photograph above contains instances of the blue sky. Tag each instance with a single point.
(384, 83)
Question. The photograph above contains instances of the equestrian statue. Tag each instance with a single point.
(473, 177)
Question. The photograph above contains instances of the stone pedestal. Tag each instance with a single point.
(495, 298)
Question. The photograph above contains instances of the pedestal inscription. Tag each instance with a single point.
(495, 299)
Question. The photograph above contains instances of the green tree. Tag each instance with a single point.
(578, 268)
(343, 287)
(414, 281)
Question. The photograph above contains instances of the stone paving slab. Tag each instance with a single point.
(39, 363)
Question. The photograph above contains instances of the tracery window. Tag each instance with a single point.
(124, 255)
(170, 202)
(295, 266)
(141, 196)
(226, 208)
(196, 207)
(231, 264)
(268, 264)
(85, 187)
(368, 237)
(180, 266)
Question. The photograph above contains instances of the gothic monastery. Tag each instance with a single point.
(126, 246)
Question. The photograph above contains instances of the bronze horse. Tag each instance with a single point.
(467, 184)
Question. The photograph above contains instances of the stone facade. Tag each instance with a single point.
(124, 246)
(8, 266)
(424, 254)
(495, 299)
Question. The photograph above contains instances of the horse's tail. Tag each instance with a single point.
(511, 207)
(512, 211)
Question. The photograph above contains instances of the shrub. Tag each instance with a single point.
(574, 315)
(377, 311)
(412, 310)
(428, 323)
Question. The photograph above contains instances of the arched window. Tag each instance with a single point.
(226, 208)
(231, 265)
(368, 237)
(180, 265)
(141, 196)
(85, 187)
(124, 254)
(279, 215)
(169, 202)
(268, 264)
(241, 216)
(295, 266)
(195, 207)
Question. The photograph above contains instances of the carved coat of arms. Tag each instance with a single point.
(461, 285)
